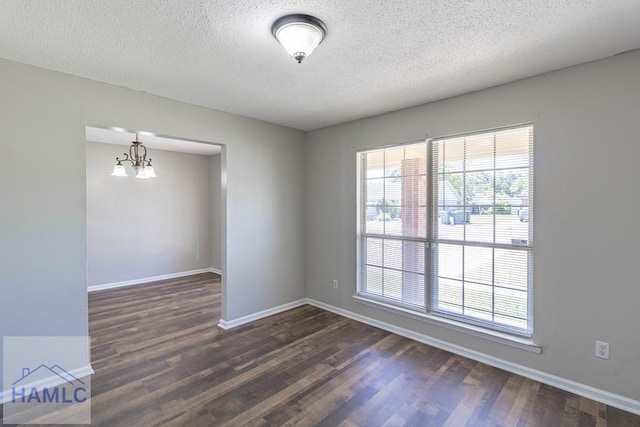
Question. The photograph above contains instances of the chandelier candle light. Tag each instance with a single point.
(138, 158)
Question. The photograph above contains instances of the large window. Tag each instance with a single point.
(445, 227)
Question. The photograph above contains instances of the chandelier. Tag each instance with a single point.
(138, 158)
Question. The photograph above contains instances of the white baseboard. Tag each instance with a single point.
(151, 279)
(580, 389)
(52, 381)
(215, 270)
(228, 324)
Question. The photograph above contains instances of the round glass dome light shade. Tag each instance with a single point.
(299, 34)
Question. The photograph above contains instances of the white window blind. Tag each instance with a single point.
(446, 227)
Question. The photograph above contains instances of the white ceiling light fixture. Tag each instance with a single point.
(299, 34)
(138, 158)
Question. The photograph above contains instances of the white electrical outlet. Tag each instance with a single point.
(335, 284)
(602, 349)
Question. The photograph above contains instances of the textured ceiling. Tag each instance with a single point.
(378, 56)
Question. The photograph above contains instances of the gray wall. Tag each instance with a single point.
(43, 227)
(587, 146)
(216, 211)
(139, 228)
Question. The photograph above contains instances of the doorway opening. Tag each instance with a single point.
(145, 230)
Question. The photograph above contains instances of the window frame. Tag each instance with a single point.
(432, 242)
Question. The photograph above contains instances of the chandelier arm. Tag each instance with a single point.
(133, 153)
(143, 158)
(126, 159)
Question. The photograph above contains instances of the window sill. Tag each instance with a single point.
(476, 331)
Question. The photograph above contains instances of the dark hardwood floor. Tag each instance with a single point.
(160, 360)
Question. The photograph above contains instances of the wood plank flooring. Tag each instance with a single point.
(160, 360)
